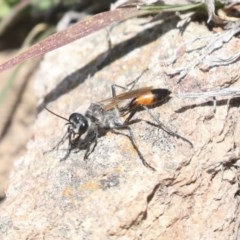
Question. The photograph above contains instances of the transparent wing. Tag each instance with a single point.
(112, 102)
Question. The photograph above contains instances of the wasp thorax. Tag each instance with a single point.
(78, 124)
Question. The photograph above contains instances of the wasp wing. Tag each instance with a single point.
(112, 102)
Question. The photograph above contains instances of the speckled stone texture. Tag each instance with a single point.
(111, 195)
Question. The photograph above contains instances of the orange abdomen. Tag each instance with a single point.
(150, 98)
(145, 100)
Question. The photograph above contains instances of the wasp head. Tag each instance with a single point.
(77, 124)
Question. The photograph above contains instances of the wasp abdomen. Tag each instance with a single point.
(151, 97)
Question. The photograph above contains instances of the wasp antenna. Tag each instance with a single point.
(56, 114)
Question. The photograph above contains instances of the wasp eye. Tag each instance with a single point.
(78, 124)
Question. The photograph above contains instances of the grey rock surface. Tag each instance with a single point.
(112, 195)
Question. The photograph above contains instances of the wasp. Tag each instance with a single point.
(111, 115)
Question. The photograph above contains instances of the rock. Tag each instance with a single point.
(112, 195)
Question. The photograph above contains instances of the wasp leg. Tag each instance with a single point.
(71, 146)
(133, 83)
(164, 128)
(90, 149)
(114, 86)
(89, 142)
(67, 153)
(130, 85)
(65, 136)
(63, 139)
(132, 139)
(131, 114)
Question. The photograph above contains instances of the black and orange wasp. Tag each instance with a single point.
(110, 115)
